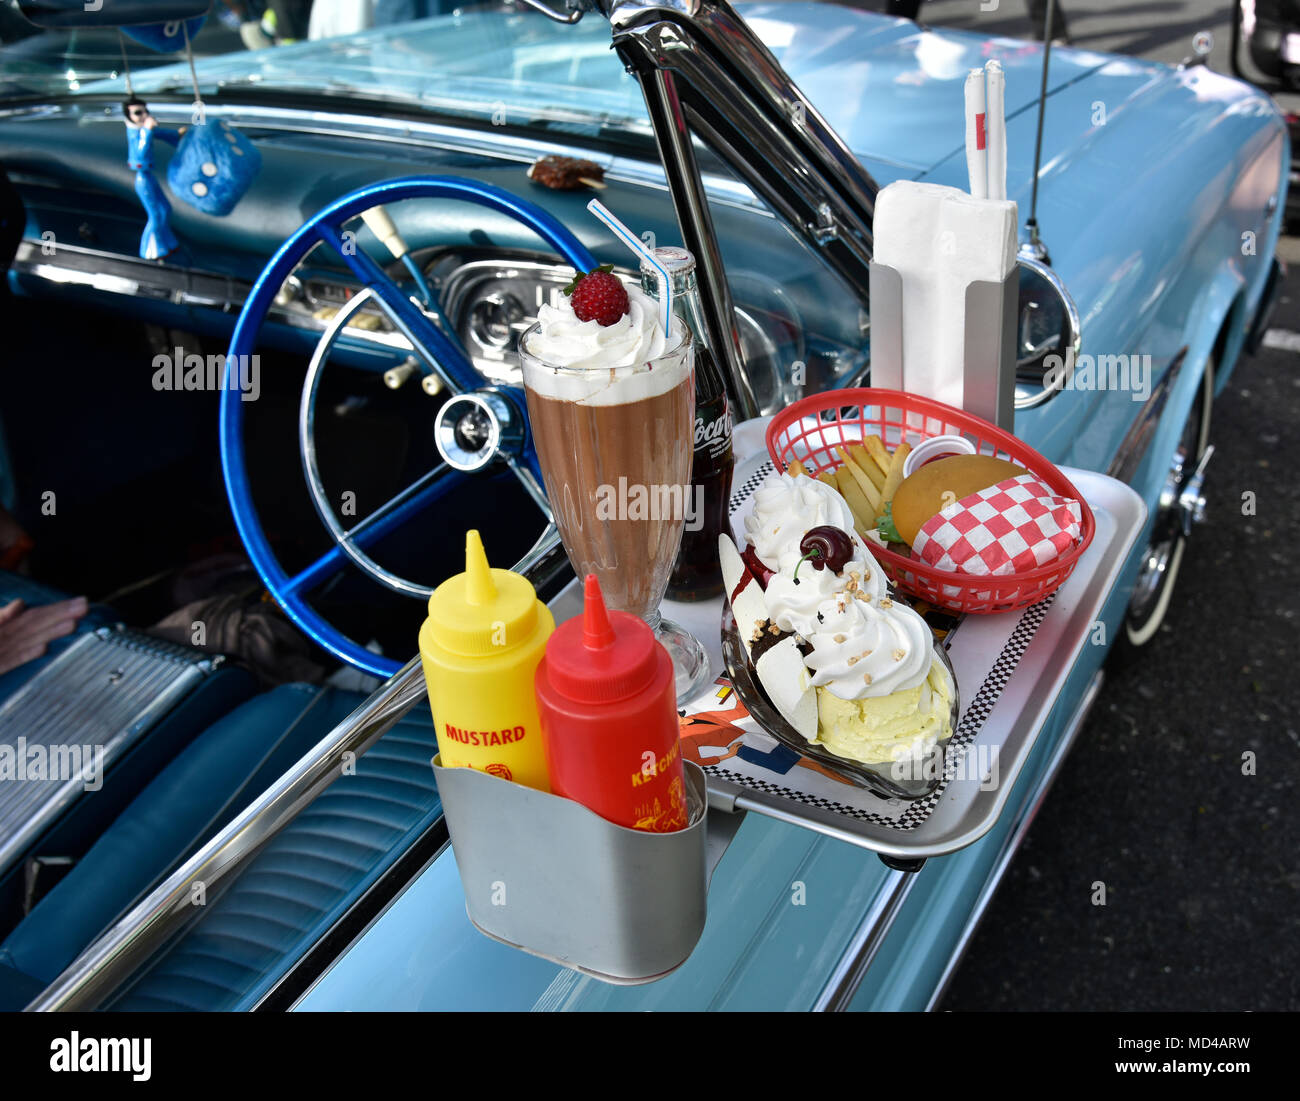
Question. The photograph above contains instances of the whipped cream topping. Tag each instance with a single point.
(786, 508)
(592, 364)
(866, 648)
(793, 603)
(564, 341)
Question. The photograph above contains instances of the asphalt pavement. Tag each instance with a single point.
(1158, 800)
(1180, 794)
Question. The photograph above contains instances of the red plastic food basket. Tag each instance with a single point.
(811, 429)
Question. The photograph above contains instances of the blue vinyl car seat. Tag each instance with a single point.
(286, 897)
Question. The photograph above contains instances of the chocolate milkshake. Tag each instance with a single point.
(611, 409)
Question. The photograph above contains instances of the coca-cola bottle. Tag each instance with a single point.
(696, 573)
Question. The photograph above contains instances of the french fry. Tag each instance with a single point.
(878, 451)
(895, 478)
(796, 467)
(863, 458)
(827, 477)
(863, 514)
(868, 487)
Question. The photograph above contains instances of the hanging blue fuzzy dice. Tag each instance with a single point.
(213, 167)
(166, 38)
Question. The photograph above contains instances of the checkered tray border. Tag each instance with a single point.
(970, 724)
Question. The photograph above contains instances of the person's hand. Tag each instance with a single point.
(149, 122)
(25, 632)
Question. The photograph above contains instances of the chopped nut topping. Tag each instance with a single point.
(773, 629)
(840, 638)
(853, 660)
(866, 678)
(863, 596)
(886, 603)
(899, 655)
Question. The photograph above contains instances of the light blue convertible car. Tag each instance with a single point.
(261, 827)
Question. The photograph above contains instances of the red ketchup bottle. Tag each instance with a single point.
(608, 706)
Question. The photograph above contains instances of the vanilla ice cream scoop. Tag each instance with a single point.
(866, 648)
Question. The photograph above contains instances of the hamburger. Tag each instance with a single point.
(926, 492)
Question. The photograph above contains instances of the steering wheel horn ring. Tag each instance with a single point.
(475, 429)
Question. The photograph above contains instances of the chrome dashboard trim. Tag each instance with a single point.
(112, 273)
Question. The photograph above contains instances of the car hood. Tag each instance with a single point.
(891, 89)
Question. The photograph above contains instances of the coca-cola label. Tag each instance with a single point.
(713, 429)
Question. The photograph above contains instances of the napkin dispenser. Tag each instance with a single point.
(988, 367)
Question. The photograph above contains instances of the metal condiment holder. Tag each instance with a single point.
(548, 876)
(989, 372)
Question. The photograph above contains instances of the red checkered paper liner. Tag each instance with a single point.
(1016, 525)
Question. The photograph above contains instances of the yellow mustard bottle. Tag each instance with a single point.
(480, 647)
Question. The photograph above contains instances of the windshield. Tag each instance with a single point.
(492, 61)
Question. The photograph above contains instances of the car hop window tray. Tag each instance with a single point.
(1010, 669)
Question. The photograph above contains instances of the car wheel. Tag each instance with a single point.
(1180, 505)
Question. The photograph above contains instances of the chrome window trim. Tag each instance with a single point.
(867, 940)
(113, 956)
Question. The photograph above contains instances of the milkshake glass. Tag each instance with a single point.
(612, 412)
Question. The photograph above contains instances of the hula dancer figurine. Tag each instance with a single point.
(141, 128)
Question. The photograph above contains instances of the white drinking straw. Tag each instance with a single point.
(638, 246)
(996, 130)
(977, 155)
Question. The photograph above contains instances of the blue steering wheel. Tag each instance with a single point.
(500, 409)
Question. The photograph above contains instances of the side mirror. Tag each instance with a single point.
(1048, 322)
(59, 14)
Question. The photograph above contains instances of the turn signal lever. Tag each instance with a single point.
(382, 226)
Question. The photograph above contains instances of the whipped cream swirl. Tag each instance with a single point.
(793, 603)
(786, 508)
(564, 341)
(866, 648)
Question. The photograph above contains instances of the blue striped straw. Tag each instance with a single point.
(638, 246)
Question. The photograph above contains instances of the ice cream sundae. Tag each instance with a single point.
(849, 667)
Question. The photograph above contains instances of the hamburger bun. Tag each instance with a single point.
(927, 491)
